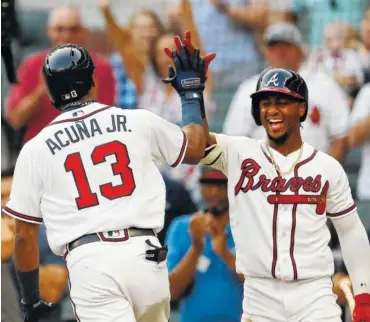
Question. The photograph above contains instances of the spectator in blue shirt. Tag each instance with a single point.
(125, 89)
(201, 258)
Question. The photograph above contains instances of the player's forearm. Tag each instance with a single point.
(183, 274)
(196, 143)
(53, 280)
(338, 149)
(26, 260)
(360, 133)
(26, 252)
(23, 112)
(355, 250)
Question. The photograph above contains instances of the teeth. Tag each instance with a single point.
(275, 121)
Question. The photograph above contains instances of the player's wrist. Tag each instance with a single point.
(191, 103)
(29, 285)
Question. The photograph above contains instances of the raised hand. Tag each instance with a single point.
(189, 75)
(190, 47)
(216, 231)
(197, 232)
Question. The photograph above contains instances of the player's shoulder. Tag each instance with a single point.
(144, 115)
(326, 163)
(32, 148)
(238, 141)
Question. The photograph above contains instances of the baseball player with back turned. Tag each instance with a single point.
(90, 177)
(281, 192)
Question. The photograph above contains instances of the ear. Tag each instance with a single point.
(302, 109)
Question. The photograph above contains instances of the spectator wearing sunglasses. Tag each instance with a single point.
(27, 103)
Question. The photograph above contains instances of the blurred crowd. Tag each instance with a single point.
(326, 41)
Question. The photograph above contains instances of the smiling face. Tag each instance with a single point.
(280, 116)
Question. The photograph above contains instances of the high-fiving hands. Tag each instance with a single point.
(186, 42)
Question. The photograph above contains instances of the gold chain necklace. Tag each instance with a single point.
(282, 173)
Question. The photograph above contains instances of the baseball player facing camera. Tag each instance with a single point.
(281, 192)
(90, 177)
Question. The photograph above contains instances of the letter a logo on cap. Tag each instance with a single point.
(274, 80)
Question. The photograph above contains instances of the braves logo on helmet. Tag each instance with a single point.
(273, 80)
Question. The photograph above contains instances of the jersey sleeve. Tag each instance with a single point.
(216, 156)
(339, 201)
(25, 195)
(168, 141)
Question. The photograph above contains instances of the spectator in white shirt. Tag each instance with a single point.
(359, 135)
(336, 59)
(328, 113)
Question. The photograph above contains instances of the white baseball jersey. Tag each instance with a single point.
(279, 224)
(92, 170)
(360, 111)
(327, 118)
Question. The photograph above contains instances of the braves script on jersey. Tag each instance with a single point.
(279, 224)
(91, 170)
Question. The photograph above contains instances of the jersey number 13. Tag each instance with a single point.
(87, 198)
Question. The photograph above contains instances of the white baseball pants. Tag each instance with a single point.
(113, 282)
(271, 300)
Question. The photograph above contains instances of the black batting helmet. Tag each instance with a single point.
(68, 74)
(279, 80)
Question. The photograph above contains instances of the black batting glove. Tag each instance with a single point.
(32, 312)
(189, 75)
